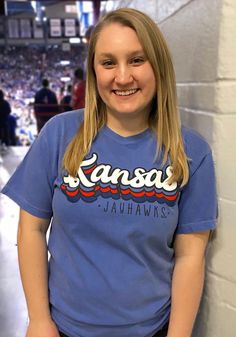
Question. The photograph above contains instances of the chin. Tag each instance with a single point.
(129, 110)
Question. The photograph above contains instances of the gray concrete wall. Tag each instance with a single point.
(202, 37)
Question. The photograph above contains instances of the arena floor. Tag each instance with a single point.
(13, 313)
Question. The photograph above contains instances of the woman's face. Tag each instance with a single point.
(125, 79)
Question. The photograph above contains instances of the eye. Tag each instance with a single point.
(107, 63)
(138, 60)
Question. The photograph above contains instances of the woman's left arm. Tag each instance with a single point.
(187, 282)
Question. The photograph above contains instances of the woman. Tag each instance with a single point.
(126, 191)
(78, 90)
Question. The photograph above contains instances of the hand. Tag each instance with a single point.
(45, 328)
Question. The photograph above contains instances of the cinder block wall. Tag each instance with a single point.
(202, 37)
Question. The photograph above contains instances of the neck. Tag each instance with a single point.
(127, 125)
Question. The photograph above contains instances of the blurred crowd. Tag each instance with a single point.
(22, 70)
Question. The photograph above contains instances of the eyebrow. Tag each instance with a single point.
(133, 53)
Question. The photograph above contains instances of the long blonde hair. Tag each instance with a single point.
(164, 118)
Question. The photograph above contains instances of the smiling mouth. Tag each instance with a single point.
(125, 92)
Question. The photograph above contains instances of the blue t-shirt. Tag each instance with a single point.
(111, 239)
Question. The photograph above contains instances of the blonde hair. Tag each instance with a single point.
(163, 119)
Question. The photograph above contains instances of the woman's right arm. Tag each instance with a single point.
(33, 262)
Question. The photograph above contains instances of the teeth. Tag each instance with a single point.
(125, 92)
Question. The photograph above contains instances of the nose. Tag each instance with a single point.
(123, 75)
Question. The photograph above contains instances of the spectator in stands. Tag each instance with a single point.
(78, 94)
(12, 125)
(5, 110)
(61, 93)
(15, 61)
(45, 104)
(65, 103)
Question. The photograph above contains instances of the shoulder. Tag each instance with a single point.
(196, 147)
(50, 91)
(6, 103)
(66, 122)
(194, 143)
(40, 92)
(59, 131)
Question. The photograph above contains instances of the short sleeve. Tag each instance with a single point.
(198, 201)
(31, 185)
